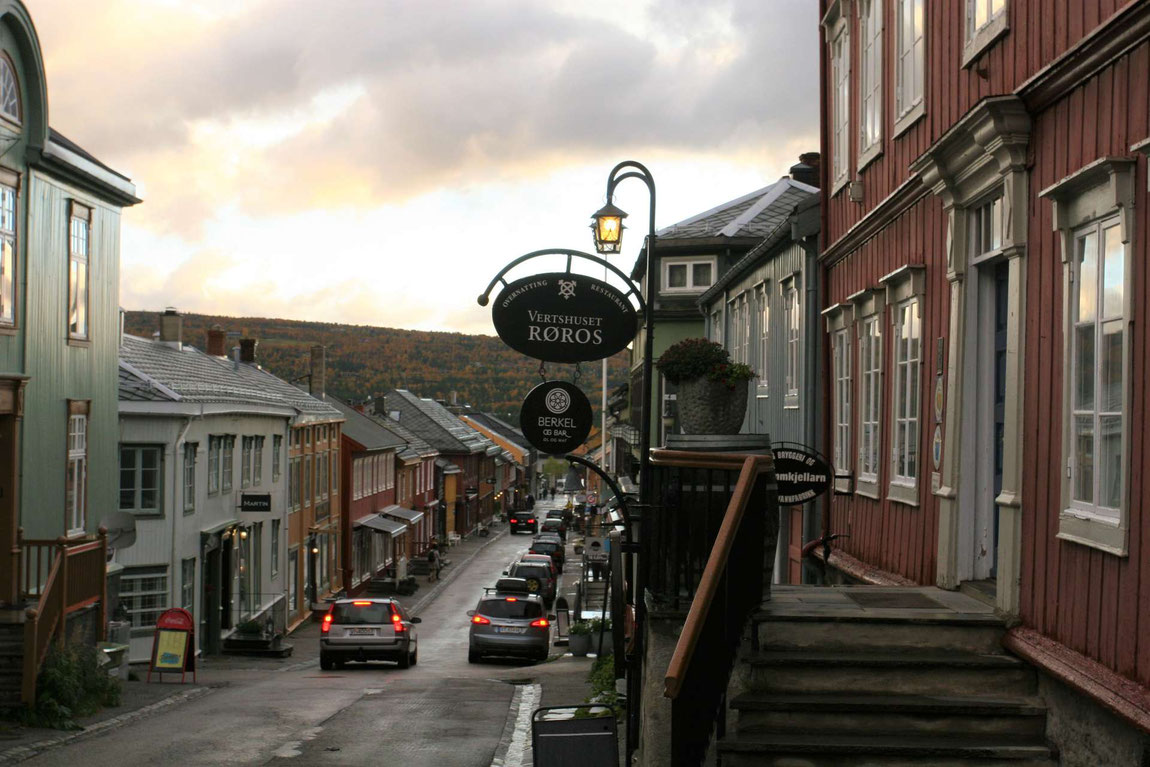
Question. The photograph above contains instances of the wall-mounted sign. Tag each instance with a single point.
(256, 502)
(801, 474)
(556, 417)
(564, 317)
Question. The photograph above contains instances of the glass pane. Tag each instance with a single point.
(1113, 273)
(1088, 277)
(1110, 461)
(1110, 360)
(701, 275)
(1084, 367)
(677, 276)
(979, 13)
(1084, 458)
(912, 449)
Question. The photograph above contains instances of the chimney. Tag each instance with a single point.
(807, 169)
(171, 328)
(248, 350)
(217, 340)
(318, 363)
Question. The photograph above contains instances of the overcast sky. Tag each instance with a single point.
(378, 161)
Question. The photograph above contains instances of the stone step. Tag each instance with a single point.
(916, 630)
(894, 750)
(910, 672)
(909, 714)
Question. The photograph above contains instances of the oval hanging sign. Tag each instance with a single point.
(564, 317)
(800, 474)
(556, 417)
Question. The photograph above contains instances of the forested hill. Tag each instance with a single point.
(363, 360)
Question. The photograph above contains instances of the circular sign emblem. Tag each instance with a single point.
(564, 317)
(556, 417)
(801, 474)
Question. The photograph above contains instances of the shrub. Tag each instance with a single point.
(699, 358)
(580, 627)
(71, 685)
(602, 679)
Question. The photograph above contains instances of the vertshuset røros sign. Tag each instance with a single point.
(563, 317)
(556, 417)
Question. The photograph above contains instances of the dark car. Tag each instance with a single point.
(567, 515)
(555, 526)
(538, 577)
(509, 622)
(544, 558)
(367, 629)
(522, 521)
(553, 549)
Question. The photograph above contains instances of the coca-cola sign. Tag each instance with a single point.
(564, 317)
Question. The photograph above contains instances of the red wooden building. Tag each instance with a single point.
(984, 256)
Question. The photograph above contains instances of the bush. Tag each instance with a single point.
(71, 685)
(602, 679)
(694, 358)
(595, 623)
(580, 627)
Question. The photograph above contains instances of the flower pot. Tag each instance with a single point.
(579, 644)
(711, 407)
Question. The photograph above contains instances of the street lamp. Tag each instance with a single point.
(608, 228)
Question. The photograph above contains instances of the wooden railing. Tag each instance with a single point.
(76, 578)
(714, 539)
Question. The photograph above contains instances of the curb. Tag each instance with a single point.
(20, 753)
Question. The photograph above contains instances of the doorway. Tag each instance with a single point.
(210, 620)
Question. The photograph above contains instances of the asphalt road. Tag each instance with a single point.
(443, 712)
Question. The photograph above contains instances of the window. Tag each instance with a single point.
(188, 584)
(323, 465)
(717, 326)
(140, 479)
(7, 250)
(214, 464)
(307, 496)
(144, 594)
(870, 80)
(357, 478)
(985, 224)
(335, 471)
(323, 561)
(293, 580)
(740, 330)
(870, 401)
(688, 276)
(763, 304)
(227, 461)
(907, 342)
(277, 451)
(911, 58)
(841, 355)
(78, 250)
(9, 91)
(76, 481)
(986, 21)
(293, 482)
(792, 308)
(190, 477)
(258, 461)
(275, 553)
(841, 73)
(246, 462)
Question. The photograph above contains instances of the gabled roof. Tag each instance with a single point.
(366, 430)
(431, 421)
(502, 428)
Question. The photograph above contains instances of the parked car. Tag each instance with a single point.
(367, 629)
(522, 521)
(552, 548)
(509, 621)
(565, 514)
(538, 577)
(544, 558)
(555, 526)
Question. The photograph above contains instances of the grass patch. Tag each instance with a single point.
(602, 679)
(71, 685)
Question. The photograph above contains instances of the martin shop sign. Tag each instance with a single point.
(563, 317)
(556, 417)
(800, 474)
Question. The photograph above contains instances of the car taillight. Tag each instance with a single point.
(397, 623)
(531, 521)
(512, 599)
(480, 620)
(362, 604)
(326, 625)
(541, 623)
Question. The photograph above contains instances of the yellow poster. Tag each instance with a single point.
(171, 647)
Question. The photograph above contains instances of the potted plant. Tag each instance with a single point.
(712, 394)
(579, 638)
(601, 627)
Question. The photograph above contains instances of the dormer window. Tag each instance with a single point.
(9, 91)
(688, 275)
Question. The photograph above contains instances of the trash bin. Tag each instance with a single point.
(581, 735)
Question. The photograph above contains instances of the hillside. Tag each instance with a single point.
(364, 360)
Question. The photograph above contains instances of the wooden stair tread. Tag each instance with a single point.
(924, 704)
(892, 744)
(892, 658)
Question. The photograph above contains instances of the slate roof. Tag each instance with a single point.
(503, 429)
(431, 421)
(753, 215)
(366, 430)
(154, 371)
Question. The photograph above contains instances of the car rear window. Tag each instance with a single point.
(555, 514)
(544, 547)
(501, 608)
(373, 614)
(525, 570)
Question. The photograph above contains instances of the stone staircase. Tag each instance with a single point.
(11, 664)
(861, 676)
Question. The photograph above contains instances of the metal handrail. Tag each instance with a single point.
(752, 466)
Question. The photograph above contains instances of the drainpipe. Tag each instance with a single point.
(177, 512)
(812, 377)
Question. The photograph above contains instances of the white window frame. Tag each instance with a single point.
(227, 462)
(188, 584)
(79, 272)
(905, 290)
(189, 477)
(277, 454)
(257, 461)
(8, 218)
(215, 443)
(77, 472)
(910, 55)
(246, 448)
(1098, 195)
(763, 310)
(690, 263)
(137, 485)
(839, 325)
(870, 81)
(837, 34)
(979, 37)
(293, 579)
(869, 306)
(717, 326)
(138, 614)
(793, 337)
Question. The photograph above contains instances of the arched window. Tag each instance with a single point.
(9, 90)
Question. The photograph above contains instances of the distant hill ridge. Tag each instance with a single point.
(363, 360)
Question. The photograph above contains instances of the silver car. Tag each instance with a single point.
(509, 624)
(367, 629)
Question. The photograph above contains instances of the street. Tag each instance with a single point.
(444, 711)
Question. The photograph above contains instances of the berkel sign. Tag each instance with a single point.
(800, 474)
(556, 417)
(564, 317)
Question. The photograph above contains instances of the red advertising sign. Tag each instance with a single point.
(174, 644)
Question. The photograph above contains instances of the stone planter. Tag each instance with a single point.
(711, 407)
(579, 644)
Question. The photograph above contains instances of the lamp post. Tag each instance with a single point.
(608, 229)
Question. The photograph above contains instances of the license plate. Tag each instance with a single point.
(509, 630)
(361, 632)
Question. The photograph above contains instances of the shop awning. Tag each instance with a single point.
(409, 516)
(382, 524)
